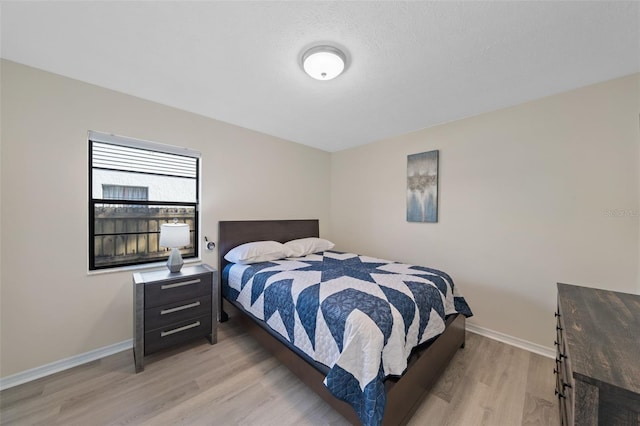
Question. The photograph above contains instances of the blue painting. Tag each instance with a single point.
(422, 187)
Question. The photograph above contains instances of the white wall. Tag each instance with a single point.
(526, 195)
(51, 308)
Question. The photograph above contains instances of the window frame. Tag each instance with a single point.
(111, 139)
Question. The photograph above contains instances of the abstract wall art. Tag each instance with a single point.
(422, 187)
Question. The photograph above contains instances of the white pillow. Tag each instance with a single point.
(257, 251)
(305, 246)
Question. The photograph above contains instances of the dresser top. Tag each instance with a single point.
(165, 274)
(602, 331)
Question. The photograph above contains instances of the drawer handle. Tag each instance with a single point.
(560, 394)
(559, 328)
(557, 314)
(180, 284)
(179, 329)
(179, 308)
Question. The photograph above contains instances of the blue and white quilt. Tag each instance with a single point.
(358, 315)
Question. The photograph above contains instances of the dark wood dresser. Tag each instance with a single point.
(598, 356)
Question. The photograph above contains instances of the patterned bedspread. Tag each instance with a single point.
(358, 315)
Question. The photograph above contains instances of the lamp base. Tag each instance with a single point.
(175, 261)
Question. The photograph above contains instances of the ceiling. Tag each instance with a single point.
(411, 65)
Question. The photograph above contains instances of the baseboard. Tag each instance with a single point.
(74, 361)
(513, 341)
(63, 364)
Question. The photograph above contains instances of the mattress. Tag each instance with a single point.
(358, 316)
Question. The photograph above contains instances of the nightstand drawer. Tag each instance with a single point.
(171, 313)
(176, 290)
(176, 333)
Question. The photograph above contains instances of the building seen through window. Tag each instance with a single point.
(124, 192)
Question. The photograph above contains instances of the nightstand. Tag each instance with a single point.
(172, 308)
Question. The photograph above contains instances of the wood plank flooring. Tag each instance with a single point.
(236, 382)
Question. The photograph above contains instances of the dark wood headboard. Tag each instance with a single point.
(233, 233)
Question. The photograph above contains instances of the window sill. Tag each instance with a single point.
(139, 268)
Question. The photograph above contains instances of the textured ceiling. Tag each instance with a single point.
(410, 65)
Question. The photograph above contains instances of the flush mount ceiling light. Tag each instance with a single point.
(324, 62)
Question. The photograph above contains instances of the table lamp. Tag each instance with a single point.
(174, 235)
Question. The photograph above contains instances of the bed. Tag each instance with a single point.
(393, 398)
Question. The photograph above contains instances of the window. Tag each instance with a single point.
(134, 187)
(124, 192)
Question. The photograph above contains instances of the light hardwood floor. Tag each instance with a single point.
(236, 382)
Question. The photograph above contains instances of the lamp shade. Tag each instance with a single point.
(174, 235)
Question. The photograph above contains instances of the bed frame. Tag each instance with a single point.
(405, 394)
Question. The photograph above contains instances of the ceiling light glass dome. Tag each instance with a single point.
(323, 62)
